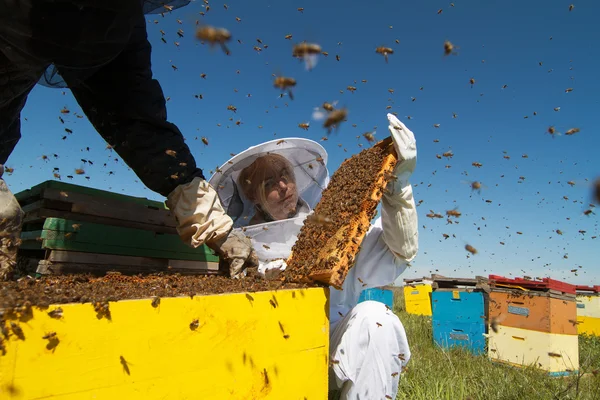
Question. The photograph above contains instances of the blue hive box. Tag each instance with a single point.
(459, 319)
(384, 296)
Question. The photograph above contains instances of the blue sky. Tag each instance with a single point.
(498, 44)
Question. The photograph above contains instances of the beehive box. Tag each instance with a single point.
(555, 353)
(588, 310)
(534, 323)
(261, 343)
(330, 239)
(459, 313)
(539, 311)
(72, 228)
(417, 297)
(381, 295)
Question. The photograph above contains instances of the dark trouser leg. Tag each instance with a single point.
(16, 81)
(127, 107)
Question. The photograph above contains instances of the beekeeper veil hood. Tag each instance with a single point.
(272, 240)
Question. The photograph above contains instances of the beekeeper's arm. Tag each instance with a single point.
(398, 209)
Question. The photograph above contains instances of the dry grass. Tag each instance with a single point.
(434, 373)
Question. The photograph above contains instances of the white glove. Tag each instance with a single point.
(235, 253)
(272, 269)
(201, 219)
(398, 210)
(199, 213)
(11, 219)
(406, 149)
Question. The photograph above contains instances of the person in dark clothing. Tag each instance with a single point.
(100, 50)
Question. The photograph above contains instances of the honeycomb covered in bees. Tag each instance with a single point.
(328, 242)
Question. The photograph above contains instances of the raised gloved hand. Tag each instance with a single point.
(398, 210)
(406, 149)
(202, 220)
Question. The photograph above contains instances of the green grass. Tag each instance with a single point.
(434, 373)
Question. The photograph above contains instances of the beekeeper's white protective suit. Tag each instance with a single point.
(367, 340)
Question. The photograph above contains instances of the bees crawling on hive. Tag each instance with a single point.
(102, 309)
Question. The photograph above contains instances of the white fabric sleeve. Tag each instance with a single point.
(400, 223)
(271, 269)
(199, 213)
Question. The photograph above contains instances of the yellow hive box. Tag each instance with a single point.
(588, 305)
(588, 325)
(264, 345)
(556, 353)
(418, 299)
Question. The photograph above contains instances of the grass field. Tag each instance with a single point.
(434, 373)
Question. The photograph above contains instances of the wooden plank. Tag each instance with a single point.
(44, 203)
(243, 348)
(42, 213)
(111, 259)
(70, 262)
(97, 193)
(61, 234)
(107, 207)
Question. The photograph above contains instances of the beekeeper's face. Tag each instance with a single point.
(281, 195)
(269, 182)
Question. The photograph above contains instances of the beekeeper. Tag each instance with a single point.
(276, 185)
(100, 50)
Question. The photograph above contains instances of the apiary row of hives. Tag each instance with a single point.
(525, 322)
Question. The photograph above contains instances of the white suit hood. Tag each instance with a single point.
(274, 240)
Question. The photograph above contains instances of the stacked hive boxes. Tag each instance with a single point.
(533, 323)
(588, 310)
(417, 296)
(459, 308)
(73, 228)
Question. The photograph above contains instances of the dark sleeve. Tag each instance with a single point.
(127, 107)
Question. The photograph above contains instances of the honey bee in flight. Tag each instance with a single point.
(284, 83)
(328, 107)
(384, 51)
(448, 48)
(308, 52)
(471, 249)
(572, 131)
(453, 213)
(304, 126)
(335, 118)
(370, 136)
(214, 36)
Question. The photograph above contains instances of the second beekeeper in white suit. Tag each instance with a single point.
(276, 185)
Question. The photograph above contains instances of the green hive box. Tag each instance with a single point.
(71, 220)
